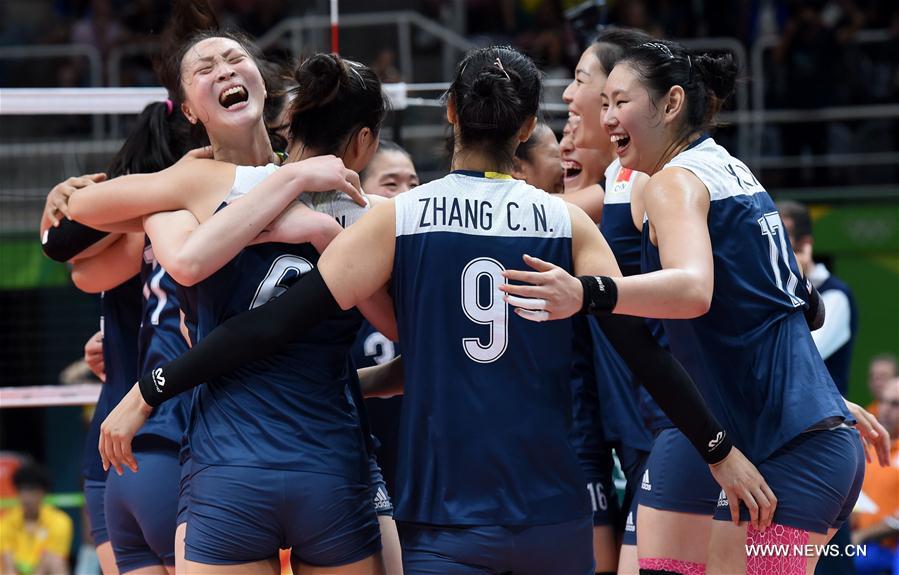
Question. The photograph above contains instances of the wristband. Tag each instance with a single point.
(152, 386)
(718, 448)
(600, 295)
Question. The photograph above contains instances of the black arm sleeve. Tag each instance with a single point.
(69, 239)
(668, 383)
(814, 313)
(252, 335)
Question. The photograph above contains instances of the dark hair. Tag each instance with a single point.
(612, 44)
(384, 147)
(802, 221)
(156, 141)
(525, 150)
(707, 80)
(495, 91)
(333, 99)
(31, 475)
(193, 21)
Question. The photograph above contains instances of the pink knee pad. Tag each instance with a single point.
(776, 551)
(672, 566)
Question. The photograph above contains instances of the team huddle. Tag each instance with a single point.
(662, 315)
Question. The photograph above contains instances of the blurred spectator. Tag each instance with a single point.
(876, 521)
(35, 537)
(384, 65)
(881, 370)
(837, 336)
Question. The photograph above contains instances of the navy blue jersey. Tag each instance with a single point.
(625, 240)
(487, 405)
(292, 410)
(373, 348)
(586, 431)
(120, 310)
(752, 355)
(160, 340)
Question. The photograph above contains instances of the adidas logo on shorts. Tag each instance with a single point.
(722, 500)
(382, 501)
(646, 485)
(630, 527)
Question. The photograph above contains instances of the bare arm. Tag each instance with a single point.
(186, 185)
(359, 261)
(385, 380)
(111, 267)
(677, 204)
(191, 249)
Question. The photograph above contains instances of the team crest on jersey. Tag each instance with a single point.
(646, 485)
(622, 180)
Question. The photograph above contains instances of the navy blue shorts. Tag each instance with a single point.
(816, 478)
(94, 495)
(676, 478)
(633, 463)
(603, 499)
(245, 514)
(479, 550)
(141, 509)
(380, 496)
(183, 484)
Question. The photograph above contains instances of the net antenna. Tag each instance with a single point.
(335, 31)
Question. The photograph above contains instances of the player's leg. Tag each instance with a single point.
(390, 539)
(677, 500)
(130, 499)
(628, 562)
(94, 501)
(390, 542)
(816, 477)
(600, 488)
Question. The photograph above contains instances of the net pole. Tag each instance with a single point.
(335, 31)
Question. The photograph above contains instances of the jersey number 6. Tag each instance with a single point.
(482, 302)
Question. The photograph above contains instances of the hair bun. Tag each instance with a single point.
(718, 72)
(318, 80)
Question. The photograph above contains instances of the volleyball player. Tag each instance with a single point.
(390, 172)
(112, 266)
(485, 464)
(582, 182)
(727, 284)
(630, 406)
(537, 160)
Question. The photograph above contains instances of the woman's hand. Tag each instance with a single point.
(873, 433)
(326, 174)
(741, 481)
(93, 356)
(119, 428)
(57, 204)
(553, 293)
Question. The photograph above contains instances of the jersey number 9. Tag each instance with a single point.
(482, 302)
